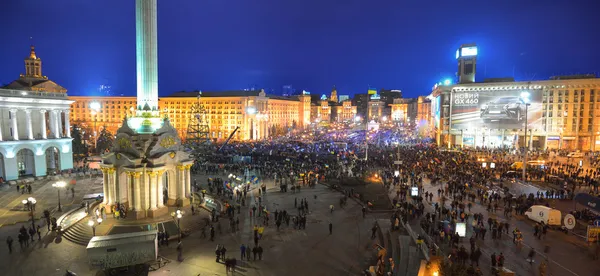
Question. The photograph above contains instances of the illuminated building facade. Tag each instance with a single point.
(344, 112)
(411, 110)
(562, 113)
(256, 114)
(399, 110)
(35, 133)
(326, 110)
(375, 108)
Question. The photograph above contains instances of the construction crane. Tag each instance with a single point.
(228, 138)
(197, 140)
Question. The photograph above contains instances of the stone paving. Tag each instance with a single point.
(12, 210)
(568, 254)
(293, 252)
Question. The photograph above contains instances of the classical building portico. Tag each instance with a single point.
(29, 146)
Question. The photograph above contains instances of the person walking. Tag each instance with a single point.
(330, 228)
(530, 256)
(9, 242)
(243, 252)
(260, 251)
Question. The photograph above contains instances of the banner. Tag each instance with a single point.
(498, 109)
(592, 233)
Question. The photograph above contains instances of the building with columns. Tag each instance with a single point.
(35, 135)
(226, 110)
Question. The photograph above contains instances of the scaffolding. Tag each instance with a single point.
(197, 140)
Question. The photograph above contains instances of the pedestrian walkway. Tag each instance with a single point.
(568, 251)
(13, 211)
(307, 251)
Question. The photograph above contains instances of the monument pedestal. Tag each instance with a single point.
(155, 213)
(137, 214)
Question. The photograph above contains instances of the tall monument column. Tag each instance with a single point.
(146, 54)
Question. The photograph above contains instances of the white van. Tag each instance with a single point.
(545, 215)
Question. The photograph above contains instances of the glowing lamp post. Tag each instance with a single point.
(178, 215)
(92, 224)
(59, 185)
(95, 107)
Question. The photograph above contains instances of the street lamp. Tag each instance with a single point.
(58, 185)
(525, 99)
(178, 215)
(95, 107)
(92, 224)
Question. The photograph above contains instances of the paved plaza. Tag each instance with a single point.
(568, 254)
(311, 251)
(12, 210)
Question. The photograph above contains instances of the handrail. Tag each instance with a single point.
(413, 235)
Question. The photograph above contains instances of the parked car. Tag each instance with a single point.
(504, 108)
(575, 154)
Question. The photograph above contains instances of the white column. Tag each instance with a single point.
(15, 128)
(67, 124)
(160, 189)
(28, 124)
(130, 185)
(153, 195)
(111, 186)
(180, 182)
(43, 123)
(52, 125)
(59, 132)
(105, 185)
(144, 193)
(1, 130)
(187, 181)
(136, 191)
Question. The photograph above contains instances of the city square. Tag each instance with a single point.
(473, 175)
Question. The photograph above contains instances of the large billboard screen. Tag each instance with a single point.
(468, 51)
(500, 109)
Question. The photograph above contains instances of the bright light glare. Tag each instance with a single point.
(251, 110)
(525, 97)
(447, 82)
(59, 184)
(357, 119)
(91, 223)
(95, 106)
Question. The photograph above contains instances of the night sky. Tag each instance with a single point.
(311, 44)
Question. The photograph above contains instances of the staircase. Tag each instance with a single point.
(80, 233)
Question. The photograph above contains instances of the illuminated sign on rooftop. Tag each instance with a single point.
(468, 51)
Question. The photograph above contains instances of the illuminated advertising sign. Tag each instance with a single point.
(461, 229)
(499, 109)
(372, 91)
(436, 107)
(414, 191)
(468, 51)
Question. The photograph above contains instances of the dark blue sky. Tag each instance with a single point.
(310, 44)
